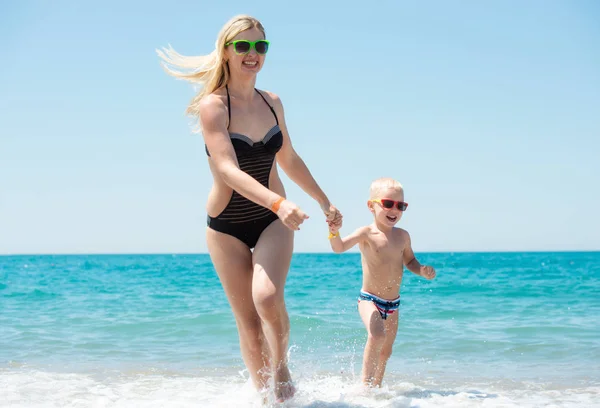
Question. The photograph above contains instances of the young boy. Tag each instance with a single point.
(385, 250)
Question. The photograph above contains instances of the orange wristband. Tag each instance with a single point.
(276, 204)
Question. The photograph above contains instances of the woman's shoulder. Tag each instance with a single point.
(213, 106)
(216, 98)
(272, 97)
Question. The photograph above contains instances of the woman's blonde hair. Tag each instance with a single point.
(210, 71)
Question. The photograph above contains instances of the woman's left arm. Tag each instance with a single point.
(293, 165)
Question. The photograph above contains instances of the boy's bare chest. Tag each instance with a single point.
(386, 250)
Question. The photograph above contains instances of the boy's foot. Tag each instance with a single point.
(284, 389)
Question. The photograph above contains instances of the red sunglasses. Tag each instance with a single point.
(389, 204)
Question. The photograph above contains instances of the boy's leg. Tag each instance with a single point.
(375, 339)
(391, 328)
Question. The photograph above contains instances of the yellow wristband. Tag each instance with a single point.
(332, 235)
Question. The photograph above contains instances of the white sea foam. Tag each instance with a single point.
(30, 388)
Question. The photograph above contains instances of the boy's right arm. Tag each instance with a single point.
(339, 244)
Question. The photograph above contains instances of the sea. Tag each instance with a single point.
(491, 330)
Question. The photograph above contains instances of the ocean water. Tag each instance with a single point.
(492, 330)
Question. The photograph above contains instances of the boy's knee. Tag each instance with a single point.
(376, 334)
(386, 352)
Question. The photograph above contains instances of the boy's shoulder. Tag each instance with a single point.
(363, 233)
(400, 231)
(402, 234)
(372, 228)
(364, 230)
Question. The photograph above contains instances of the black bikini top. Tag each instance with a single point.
(242, 144)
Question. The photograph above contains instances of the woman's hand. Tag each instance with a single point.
(334, 216)
(291, 215)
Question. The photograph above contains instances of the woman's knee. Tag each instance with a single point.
(268, 302)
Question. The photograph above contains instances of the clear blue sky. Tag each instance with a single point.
(487, 112)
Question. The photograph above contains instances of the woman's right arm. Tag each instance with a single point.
(213, 116)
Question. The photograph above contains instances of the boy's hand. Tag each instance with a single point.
(332, 214)
(333, 227)
(427, 272)
(335, 224)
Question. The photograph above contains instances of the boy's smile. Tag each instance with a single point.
(385, 208)
(392, 218)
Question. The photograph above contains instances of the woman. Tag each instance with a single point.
(251, 224)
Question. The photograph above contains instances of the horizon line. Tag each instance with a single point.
(297, 253)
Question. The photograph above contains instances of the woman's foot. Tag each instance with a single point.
(284, 388)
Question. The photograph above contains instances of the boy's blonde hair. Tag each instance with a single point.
(379, 185)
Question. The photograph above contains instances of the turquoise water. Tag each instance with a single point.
(493, 329)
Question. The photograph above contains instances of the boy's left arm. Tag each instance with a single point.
(408, 256)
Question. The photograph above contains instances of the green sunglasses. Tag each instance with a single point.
(242, 47)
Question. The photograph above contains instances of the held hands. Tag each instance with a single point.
(427, 272)
(290, 214)
(334, 218)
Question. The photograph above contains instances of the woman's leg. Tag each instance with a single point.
(272, 256)
(232, 260)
